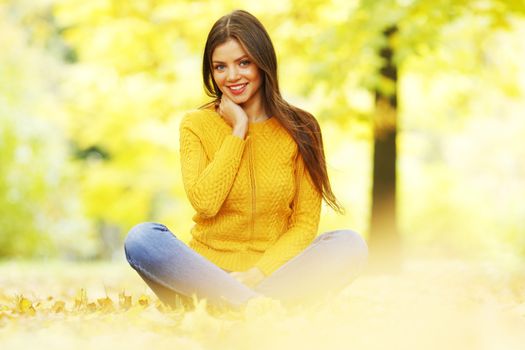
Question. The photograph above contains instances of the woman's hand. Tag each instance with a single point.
(251, 277)
(233, 115)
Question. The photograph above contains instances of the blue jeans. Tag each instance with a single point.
(171, 268)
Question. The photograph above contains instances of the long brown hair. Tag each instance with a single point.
(301, 125)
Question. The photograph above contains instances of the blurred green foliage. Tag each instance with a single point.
(92, 92)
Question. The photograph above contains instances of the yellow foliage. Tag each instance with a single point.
(469, 305)
(25, 306)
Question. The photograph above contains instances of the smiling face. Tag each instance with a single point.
(235, 73)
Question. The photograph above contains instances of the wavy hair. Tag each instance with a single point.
(301, 125)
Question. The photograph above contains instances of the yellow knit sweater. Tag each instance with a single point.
(255, 202)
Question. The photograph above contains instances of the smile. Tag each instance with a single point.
(238, 89)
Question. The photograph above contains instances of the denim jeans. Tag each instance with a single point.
(171, 268)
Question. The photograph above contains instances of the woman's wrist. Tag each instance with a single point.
(240, 129)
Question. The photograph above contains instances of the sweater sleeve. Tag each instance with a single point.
(207, 183)
(304, 223)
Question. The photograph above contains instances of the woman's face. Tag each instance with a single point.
(235, 73)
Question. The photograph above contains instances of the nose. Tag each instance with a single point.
(233, 74)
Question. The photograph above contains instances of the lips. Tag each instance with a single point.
(238, 88)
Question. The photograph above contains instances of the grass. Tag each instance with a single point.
(430, 304)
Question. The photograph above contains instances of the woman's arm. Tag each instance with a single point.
(304, 223)
(207, 183)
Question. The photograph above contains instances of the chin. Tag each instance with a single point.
(238, 99)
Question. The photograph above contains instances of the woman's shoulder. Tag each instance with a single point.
(200, 118)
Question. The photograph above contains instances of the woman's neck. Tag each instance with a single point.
(254, 110)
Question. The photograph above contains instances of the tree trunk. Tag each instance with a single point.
(384, 238)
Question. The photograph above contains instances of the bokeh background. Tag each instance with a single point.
(92, 93)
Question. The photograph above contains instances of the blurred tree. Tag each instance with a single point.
(379, 38)
(384, 235)
(39, 209)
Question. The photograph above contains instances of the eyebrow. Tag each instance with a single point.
(238, 59)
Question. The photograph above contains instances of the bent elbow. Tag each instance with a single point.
(205, 208)
(206, 212)
(206, 204)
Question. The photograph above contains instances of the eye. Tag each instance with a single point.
(219, 67)
(244, 63)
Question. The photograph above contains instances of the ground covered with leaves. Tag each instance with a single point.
(429, 304)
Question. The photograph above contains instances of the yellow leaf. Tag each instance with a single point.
(106, 304)
(124, 300)
(58, 306)
(92, 307)
(81, 298)
(25, 306)
(144, 300)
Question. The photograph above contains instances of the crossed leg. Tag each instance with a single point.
(171, 268)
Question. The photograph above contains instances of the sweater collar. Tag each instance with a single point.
(264, 124)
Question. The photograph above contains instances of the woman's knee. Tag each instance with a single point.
(351, 242)
(138, 239)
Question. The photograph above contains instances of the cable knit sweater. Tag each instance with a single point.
(255, 202)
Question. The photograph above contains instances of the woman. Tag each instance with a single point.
(254, 170)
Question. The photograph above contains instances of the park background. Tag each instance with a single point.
(91, 97)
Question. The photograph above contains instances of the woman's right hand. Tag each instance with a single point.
(233, 115)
